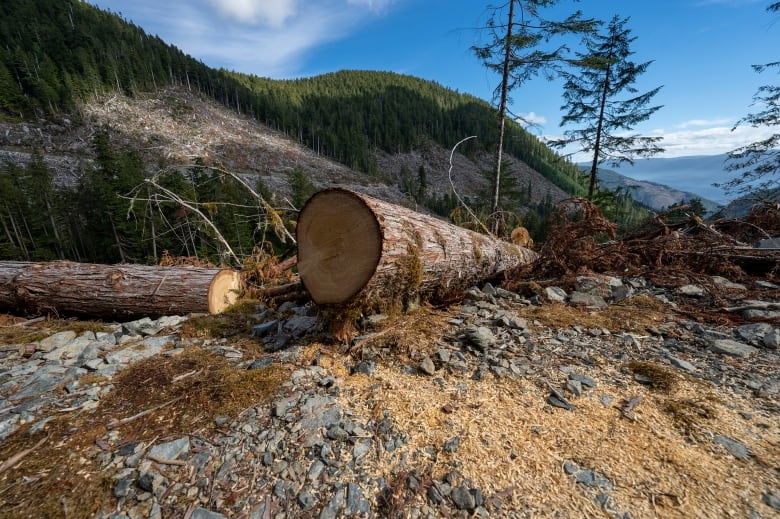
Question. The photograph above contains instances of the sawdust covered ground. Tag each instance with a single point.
(660, 458)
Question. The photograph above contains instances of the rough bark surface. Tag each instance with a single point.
(115, 291)
(353, 248)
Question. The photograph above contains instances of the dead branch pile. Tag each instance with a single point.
(673, 245)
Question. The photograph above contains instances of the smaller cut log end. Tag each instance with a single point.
(224, 290)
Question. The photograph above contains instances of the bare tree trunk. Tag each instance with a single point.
(358, 251)
(115, 291)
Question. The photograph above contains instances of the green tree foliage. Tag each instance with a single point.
(594, 102)
(759, 162)
(302, 187)
(523, 43)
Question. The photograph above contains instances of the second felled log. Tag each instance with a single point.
(115, 291)
(353, 248)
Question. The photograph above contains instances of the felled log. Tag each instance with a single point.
(356, 250)
(115, 291)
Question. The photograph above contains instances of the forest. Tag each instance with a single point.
(57, 54)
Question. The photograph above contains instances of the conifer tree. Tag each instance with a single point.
(759, 162)
(524, 42)
(593, 103)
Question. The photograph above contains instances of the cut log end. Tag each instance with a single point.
(339, 246)
(224, 290)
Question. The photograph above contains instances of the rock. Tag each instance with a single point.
(334, 506)
(427, 366)
(56, 341)
(171, 450)
(559, 402)
(260, 330)
(452, 444)
(733, 348)
(691, 291)
(771, 498)
(734, 447)
(306, 500)
(555, 294)
(753, 333)
(772, 340)
(725, 283)
(300, 325)
(588, 300)
(682, 364)
(463, 498)
(583, 379)
(479, 336)
(203, 513)
(357, 504)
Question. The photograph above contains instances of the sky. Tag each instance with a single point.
(702, 52)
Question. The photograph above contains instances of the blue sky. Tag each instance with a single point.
(702, 51)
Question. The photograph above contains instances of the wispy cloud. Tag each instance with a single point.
(250, 12)
(531, 119)
(704, 123)
(708, 141)
(263, 37)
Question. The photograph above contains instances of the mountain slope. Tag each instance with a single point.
(652, 194)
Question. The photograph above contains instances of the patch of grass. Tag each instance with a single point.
(689, 413)
(62, 479)
(661, 377)
(235, 320)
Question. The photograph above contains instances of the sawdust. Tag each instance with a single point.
(513, 444)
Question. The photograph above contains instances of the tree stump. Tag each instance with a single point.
(115, 291)
(356, 250)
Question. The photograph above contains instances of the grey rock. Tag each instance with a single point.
(588, 300)
(772, 340)
(583, 379)
(555, 294)
(479, 336)
(171, 450)
(357, 504)
(300, 325)
(452, 444)
(362, 447)
(203, 513)
(574, 387)
(262, 329)
(122, 488)
(306, 500)
(463, 498)
(734, 447)
(753, 333)
(682, 364)
(427, 366)
(367, 367)
(718, 280)
(771, 498)
(334, 506)
(691, 291)
(55, 341)
(559, 402)
(8, 426)
(514, 322)
(733, 348)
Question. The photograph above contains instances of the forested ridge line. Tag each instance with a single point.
(56, 54)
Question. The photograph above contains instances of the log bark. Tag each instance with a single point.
(115, 291)
(356, 250)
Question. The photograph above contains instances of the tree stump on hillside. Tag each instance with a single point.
(115, 291)
(359, 252)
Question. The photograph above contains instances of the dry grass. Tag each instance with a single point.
(60, 479)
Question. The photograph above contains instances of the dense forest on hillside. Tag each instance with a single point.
(56, 54)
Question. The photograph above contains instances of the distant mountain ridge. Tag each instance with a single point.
(691, 174)
(654, 195)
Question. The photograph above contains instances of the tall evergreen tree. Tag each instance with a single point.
(593, 103)
(523, 43)
(759, 162)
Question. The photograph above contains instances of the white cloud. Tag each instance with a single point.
(693, 123)
(271, 13)
(708, 141)
(268, 38)
(531, 119)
